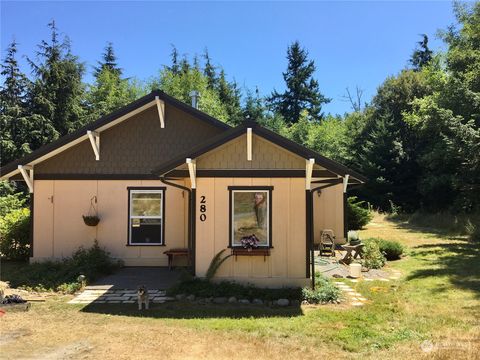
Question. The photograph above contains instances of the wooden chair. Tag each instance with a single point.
(327, 242)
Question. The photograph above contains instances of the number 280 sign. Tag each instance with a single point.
(203, 208)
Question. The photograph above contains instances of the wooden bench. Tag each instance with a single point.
(172, 253)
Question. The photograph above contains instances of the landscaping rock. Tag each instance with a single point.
(244, 301)
(232, 299)
(190, 297)
(257, 302)
(337, 276)
(180, 297)
(283, 302)
(305, 302)
(220, 300)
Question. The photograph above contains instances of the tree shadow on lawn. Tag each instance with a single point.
(187, 310)
(458, 261)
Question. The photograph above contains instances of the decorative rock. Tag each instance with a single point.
(337, 276)
(190, 297)
(232, 299)
(257, 302)
(305, 302)
(244, 301)
(283, 302)
(180, 297)
(220, 300)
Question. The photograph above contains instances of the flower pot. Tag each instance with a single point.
(91, 220)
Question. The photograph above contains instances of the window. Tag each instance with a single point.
(146, 216)
(251, 214)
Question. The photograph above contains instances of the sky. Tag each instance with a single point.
(352, 43)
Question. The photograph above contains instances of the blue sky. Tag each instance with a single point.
(352, 43)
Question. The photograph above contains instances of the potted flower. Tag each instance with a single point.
(92, 219)
(353, 238)
(249, 242)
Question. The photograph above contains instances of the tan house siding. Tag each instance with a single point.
(59, 228)
(286, 264)
(328, 212)
(134, 146)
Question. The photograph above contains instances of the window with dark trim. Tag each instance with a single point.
(146, 216)
(250, 214)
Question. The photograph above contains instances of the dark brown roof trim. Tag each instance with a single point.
(250, 173)
(290, 145)
(96, 177)
(107, 119)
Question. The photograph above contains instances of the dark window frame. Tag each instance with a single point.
(253, 188)
(163, 189)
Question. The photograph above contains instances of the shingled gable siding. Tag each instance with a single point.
(134, 146)
(266, 155)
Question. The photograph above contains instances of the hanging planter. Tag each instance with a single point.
(92, 219)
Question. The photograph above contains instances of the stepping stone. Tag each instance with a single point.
(362, 299)
(158, 301)
(382, 279)
(129, 302)
(114, 302)
(357, 303)
(368, 279)
(354, 280)
(100, 302)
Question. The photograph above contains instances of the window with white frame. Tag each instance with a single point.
(250, 216)
(146, 216)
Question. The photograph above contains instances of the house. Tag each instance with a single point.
(163, 175)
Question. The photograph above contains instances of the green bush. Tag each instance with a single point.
(15, 235)
(11, 202)
(325, 291)
(357, 215)
(372, 256)
(204, 288)
(93, 262)
(392, 250)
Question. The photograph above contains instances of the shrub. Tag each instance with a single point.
(62, 275)
(15, 235)
(475, 234)
(325, 291)
(357, 215)
(392, 250)
(372, 256)
(11, 202)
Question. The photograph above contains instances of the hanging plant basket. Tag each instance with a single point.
(92, 219)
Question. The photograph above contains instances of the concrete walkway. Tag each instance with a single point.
(121, 287)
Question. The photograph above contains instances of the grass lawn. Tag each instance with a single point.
(433, 311)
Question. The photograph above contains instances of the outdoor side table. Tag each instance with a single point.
(172, 253)
(353, 251)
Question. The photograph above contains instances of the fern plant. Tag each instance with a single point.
(215, 264)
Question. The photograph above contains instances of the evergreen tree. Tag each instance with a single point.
(109, 62)
(302, 91)
(175, 67)
(229, 95)
(209, 71)
(20, 131)
(109, 91)
(57, 91)
(422, 55)
(254, 108)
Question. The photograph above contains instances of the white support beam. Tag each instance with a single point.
(94, 137)
(345, 183)
(308, 173)
(249, 144)
(161, 111)
(27, 177)
(192, 170)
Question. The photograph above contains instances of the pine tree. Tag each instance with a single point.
(254, 108)
(302, 91)
(230, 96)
(422, 55)
(209, 71)
(109, 62)
(174, 68)
(20, 132)
(57, 91)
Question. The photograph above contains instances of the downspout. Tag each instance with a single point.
(191, 218)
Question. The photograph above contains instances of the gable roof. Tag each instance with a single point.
(104, 123)
(269, 135)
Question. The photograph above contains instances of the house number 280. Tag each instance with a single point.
(203, 208)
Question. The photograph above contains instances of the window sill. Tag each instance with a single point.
(146, 245)
(251, 252)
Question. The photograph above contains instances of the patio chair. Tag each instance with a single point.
(327, 242)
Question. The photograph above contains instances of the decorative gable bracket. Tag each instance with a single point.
(345, 182)
(28, 177)
(161, 111)
(94, 137)
(308, 173)
(192, 170)
(249, 144)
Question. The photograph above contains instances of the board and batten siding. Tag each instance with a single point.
(59, 228)
(328, 212)
(286, 264)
